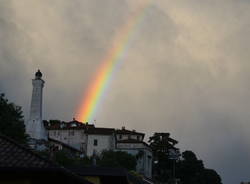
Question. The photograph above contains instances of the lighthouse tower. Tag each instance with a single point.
(35, 127)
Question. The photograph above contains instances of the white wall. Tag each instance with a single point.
(104, 142)
(144, 164)
(120, 137)
(74, 138)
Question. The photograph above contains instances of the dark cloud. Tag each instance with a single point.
(186, 70)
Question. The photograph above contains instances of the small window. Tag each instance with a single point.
(82, 147)
(95, 142)
(138, 137)
(120, 136)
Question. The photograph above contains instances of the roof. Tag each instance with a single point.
(61, 125)
(138, 180)
(125, 131)
(18, 160)
(129, 141)
(64, 145)
(98, 171)
(15, 155)
(133, 141)
(100, 131)
(106, 175)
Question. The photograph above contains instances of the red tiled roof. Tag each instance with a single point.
(66, 125)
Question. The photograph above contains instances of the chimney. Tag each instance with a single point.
(123, 128)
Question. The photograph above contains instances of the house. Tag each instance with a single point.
(99, 139)
(19, 164)
(55, 145)
(132, 143)
(84, 137)
(71, 133)
(91, 140)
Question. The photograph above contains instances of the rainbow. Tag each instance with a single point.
(112, 61)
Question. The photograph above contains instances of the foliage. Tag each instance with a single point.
(189, 169)
(192, 171)
(106, 159)
(161, 144)
(117, 159)
(11, 121)
(63, 158)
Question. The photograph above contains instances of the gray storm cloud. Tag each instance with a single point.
(186, 71)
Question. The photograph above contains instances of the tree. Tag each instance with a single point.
(161, 145)
(11, 121)
(192, 171)
(117, 159)
(63, 158)
(189, 169)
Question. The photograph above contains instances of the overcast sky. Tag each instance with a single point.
(186, 72)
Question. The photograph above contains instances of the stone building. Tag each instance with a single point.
(91, 140)
(72, 133)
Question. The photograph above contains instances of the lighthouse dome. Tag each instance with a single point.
(38, 74)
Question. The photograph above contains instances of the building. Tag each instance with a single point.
(19, 164)
(132, 143)
(55, 146)
(72, 133)
(34, 127)
(91, 140)
(83, 137)
(100, 139)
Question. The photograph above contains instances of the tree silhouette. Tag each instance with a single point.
(117, 159)
(189, 169)
(161, 145)
(11, 121)
(192, 171)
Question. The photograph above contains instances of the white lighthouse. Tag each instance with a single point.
(35, 127)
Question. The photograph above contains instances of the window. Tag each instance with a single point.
(138, 137)
(95, 142)
(82, 146)
(120, 136)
